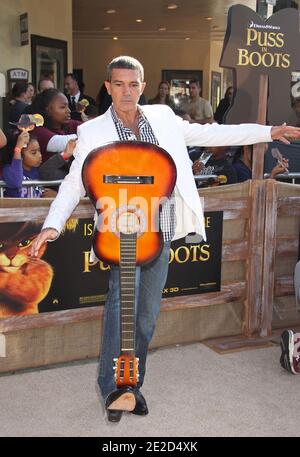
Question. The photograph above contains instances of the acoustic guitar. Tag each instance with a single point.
(127, 182)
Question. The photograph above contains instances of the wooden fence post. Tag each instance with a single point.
(256, 225)
(254, 268)
(268, 280)
(259, 149)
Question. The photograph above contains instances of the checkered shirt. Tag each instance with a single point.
(167, 215)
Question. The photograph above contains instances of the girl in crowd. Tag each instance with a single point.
(58, 127)
(163, 96)
(23, 158)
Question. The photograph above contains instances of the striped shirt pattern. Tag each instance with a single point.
(167, 215)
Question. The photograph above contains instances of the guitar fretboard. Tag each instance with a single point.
(127, 291)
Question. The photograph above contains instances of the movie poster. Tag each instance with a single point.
(62, 277)
(195, 268)
(77, 283)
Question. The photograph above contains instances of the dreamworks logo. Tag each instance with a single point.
(253, 25)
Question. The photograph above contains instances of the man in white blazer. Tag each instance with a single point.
(155, 124)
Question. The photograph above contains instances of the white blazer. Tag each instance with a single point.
(173, 135)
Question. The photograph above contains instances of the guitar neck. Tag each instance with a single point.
(127, 291)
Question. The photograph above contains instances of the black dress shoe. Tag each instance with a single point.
(114, 415)
(141, 408)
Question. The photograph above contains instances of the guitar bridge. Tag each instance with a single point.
(126, 179)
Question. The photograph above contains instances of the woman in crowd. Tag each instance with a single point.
(23, 158)
(103, 100)
(30, 93)
(223, 106)
(163, 95)
(58, 126)
(18, 102)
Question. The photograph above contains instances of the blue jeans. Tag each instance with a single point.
(150, 281)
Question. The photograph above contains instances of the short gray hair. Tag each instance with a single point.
(127, 62)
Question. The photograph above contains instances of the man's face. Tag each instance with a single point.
(71, 86)
(46, 84)
(125, 89)
(194, 90)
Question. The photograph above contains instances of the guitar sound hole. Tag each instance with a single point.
(128, 219)
(128, 223)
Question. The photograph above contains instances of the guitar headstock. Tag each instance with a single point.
(126, 370)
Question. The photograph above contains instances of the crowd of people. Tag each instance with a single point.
(41, 152)
(63, 112)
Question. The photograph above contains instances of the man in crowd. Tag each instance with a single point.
(74, 96)
(44, 84)
(181, 214)
(196, 107)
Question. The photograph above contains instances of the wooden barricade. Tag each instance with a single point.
(281, 239)
(254, 242)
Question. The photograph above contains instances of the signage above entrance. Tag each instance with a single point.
(253, 47)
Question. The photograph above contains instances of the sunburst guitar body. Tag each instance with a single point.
(128, 182)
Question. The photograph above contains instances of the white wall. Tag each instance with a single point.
(93, 54)
(51, 19)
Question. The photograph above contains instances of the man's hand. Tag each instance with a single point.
(283, 132)
(45, 235)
